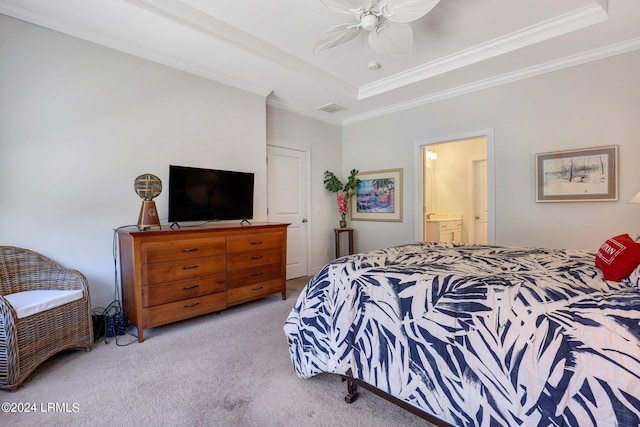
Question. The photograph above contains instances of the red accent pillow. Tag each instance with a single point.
(618, 257)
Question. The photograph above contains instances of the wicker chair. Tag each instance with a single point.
(27, 341)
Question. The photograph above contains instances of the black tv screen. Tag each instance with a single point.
(197, 194)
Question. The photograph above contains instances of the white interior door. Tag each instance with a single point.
(287, 202)
(481, 210)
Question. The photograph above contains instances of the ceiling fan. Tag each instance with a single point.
(386, 21)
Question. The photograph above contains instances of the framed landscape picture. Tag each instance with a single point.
(378, 197)
(590, 174)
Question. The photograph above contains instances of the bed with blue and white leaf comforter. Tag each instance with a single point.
(477, 335)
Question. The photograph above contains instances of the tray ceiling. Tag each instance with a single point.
(266, 47)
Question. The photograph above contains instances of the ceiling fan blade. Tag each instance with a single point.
(405, 10)
(336, 36)
(392, 39)
(349, 7)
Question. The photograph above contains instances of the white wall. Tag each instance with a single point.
(80, 122)
(286, 129)
(591, 105)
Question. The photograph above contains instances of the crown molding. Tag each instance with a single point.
(181, 13)
(547, 67)
(135, 49)
(194, 19)
(572, 21)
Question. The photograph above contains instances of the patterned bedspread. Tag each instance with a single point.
(477, 335)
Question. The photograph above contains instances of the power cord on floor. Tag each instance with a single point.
(112, 321)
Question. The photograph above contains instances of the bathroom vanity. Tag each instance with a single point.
(444, 229)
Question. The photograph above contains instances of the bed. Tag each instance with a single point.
(477, 335)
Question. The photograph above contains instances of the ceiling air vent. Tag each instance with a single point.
(331, 108)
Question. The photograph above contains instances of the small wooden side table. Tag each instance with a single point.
(349, 232)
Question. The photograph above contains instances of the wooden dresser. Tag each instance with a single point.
(170, 275)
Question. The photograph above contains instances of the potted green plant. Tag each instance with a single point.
(344, 191)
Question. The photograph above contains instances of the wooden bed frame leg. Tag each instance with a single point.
(352, 391)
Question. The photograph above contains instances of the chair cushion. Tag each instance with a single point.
(28, 303)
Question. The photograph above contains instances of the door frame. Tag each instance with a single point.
(421, 144)
(473, 185)
(307, 184)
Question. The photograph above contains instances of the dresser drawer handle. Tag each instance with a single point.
(257, 289)
(256, 257)
(189, 267)
(189, 249)
(191, 305)
(190, 287)
(256, 243)
(259, 273)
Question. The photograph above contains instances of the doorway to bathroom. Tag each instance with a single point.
(455, 190)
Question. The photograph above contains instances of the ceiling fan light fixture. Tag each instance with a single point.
(386, 21)
(369, 21)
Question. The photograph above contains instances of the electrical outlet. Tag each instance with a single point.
(326, 252)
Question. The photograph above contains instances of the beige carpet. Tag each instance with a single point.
(226, 369)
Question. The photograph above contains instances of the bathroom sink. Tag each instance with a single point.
(444, 218)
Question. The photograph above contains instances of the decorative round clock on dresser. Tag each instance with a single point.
(148, 186)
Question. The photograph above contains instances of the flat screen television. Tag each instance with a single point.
(197, 194)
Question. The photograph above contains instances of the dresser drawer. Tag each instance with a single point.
(183, 269)
(251, 292)
(173, 250)
(183, 289)
(249, 276)
(242, 260)
(254, 241)
(167, 313)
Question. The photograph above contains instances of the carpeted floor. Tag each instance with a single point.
(226, 369)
